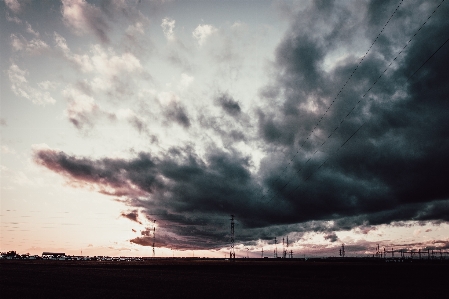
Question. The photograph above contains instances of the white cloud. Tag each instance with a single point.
(6, 150)
(31, 30)
(80, 108)
(13, 19)
(166, 98)
(202, 32)
(81, 61)
(103, 61)
(78, 101)
(13, 5)
(20, 87)
(186, 80)
(101, 84)
(47, 85)
(167, 27)
(125, 114)
(61, 43)
(73, 13)
(41, 146)
(136, 28)
(107, 63)
(35, 46)
(16, 43)
(83, 17)
(237, 25)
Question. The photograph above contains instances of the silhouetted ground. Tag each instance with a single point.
(222, 279)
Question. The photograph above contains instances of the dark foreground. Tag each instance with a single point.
(222, 279)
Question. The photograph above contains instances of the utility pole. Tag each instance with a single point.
(275, 248)
(342, 250)
(232, 253)
(154, 237)
(262, 252)
(283, 248)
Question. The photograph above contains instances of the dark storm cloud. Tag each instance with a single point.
(132, 215)
(332, 237)
(230, 131)
(191, 197)
(228, 104)
(393, 170)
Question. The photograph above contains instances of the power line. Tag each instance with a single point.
(427, 60)
(341, 89)
(353, 134)
(351, 110)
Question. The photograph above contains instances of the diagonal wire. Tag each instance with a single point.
(375, 82)
(342, 88)
(353, 134)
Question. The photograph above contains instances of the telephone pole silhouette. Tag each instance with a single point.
(154, 237)
(275, 248)
(342, 250)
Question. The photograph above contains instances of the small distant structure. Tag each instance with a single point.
(54, 255)
(342, 250)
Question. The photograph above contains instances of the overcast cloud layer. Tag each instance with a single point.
(332, 145)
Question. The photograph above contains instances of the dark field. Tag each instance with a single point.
(222, 279)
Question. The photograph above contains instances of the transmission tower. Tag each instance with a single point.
(232, 253)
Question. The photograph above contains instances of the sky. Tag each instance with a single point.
(128, 123)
